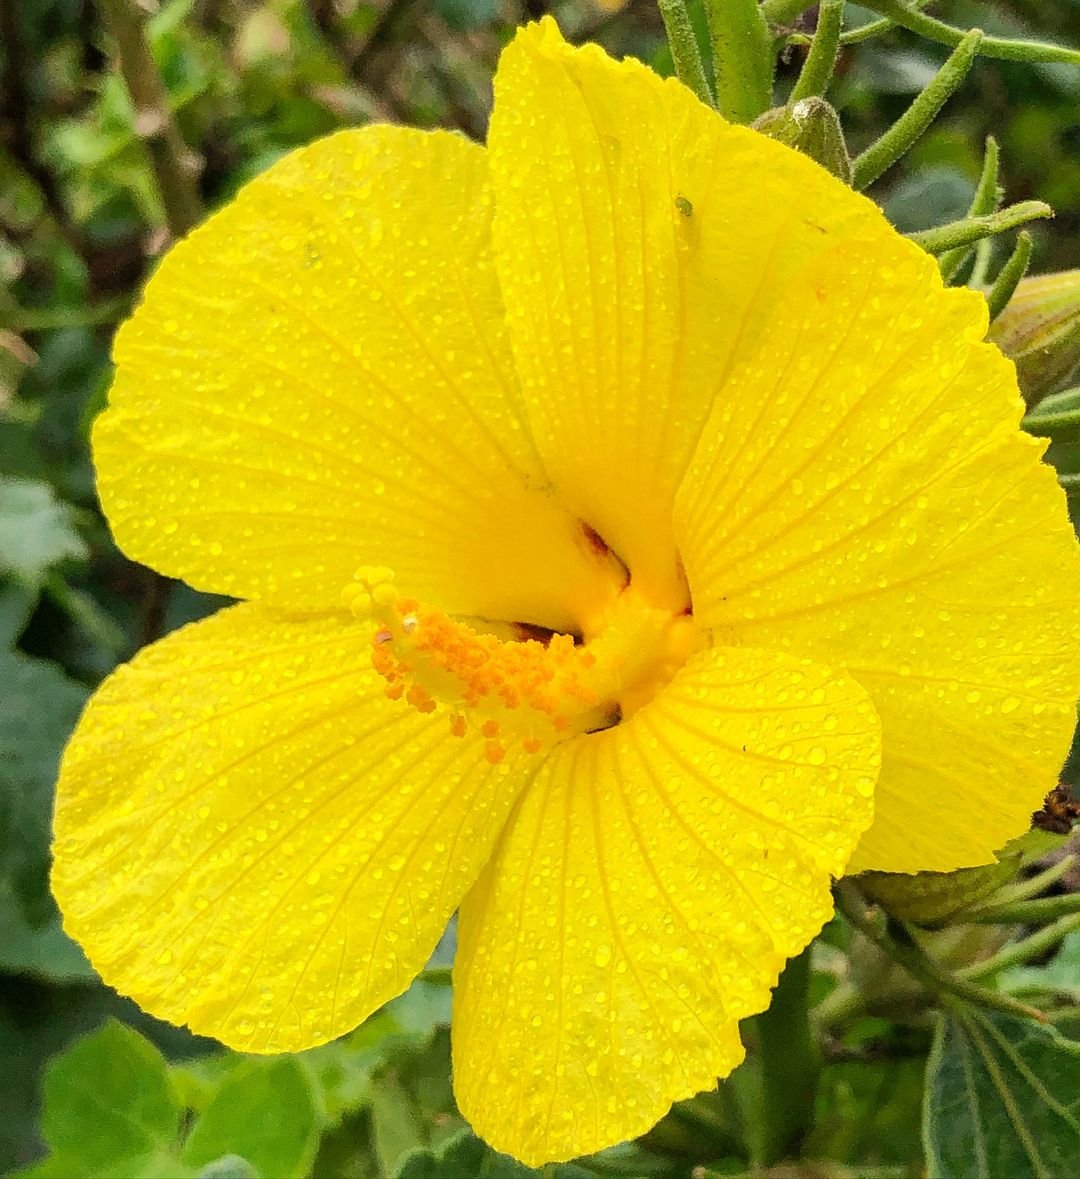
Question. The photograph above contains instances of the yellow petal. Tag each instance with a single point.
(640, 243)
(645, 895)
(319, 379)
(862, 495)
(251, 839)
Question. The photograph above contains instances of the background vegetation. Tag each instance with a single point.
(88, 1084)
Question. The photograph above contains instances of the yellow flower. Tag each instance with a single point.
(630, 375)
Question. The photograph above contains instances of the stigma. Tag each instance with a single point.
(512, 689)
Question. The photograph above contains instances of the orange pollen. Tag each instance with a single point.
(513, 691)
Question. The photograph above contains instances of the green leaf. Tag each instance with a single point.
(16, 605)
(109, 1100)
(397, 1124)
(265, 1112)
(1060, 976)
(199, 1078)
(1002, 1098)
(869, 1106)
(422, 1009)
(342, 1076)
(38, 708)
(466, 1157)
(37, 531)
(159, 1165)
(467, 14)
(41, 951)
(229, 1166)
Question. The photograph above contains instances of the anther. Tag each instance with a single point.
(527, 693)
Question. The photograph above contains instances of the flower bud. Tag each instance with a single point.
(812, 127)
(935, 898)
(1040, 331)
(1057, 416)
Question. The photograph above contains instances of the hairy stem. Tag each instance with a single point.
(174, 166)
(1025, 949)
(684, 49)
(975, 229)
(909, 17)
(898, 943)
(817, 71)
(917, 118)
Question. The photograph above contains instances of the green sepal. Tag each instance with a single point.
(1057, 416)
(932, 899)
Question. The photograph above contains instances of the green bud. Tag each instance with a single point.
(811, 126)
(1040, 331)
(1057, 416)
(936, 898)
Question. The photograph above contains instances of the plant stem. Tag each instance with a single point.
(174, 166)
(875, 28)
(742, 57)
(790, 1066)
(999, 47)
(984, 256)
(387, 26)
(685, 51)
(898, 943)
(986, 200)
(857, 35)
(1024, 950)
(844, 1001)
(1041, 881)
(1027, 912)
(783, 12)
(17, 107)
(42, 319)
(917, 118)
(817, 70)
(1009, 276)
(885, 1172)
(974, 229)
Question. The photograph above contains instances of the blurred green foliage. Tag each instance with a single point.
(89, 1085)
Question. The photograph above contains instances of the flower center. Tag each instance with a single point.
(512, 688)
